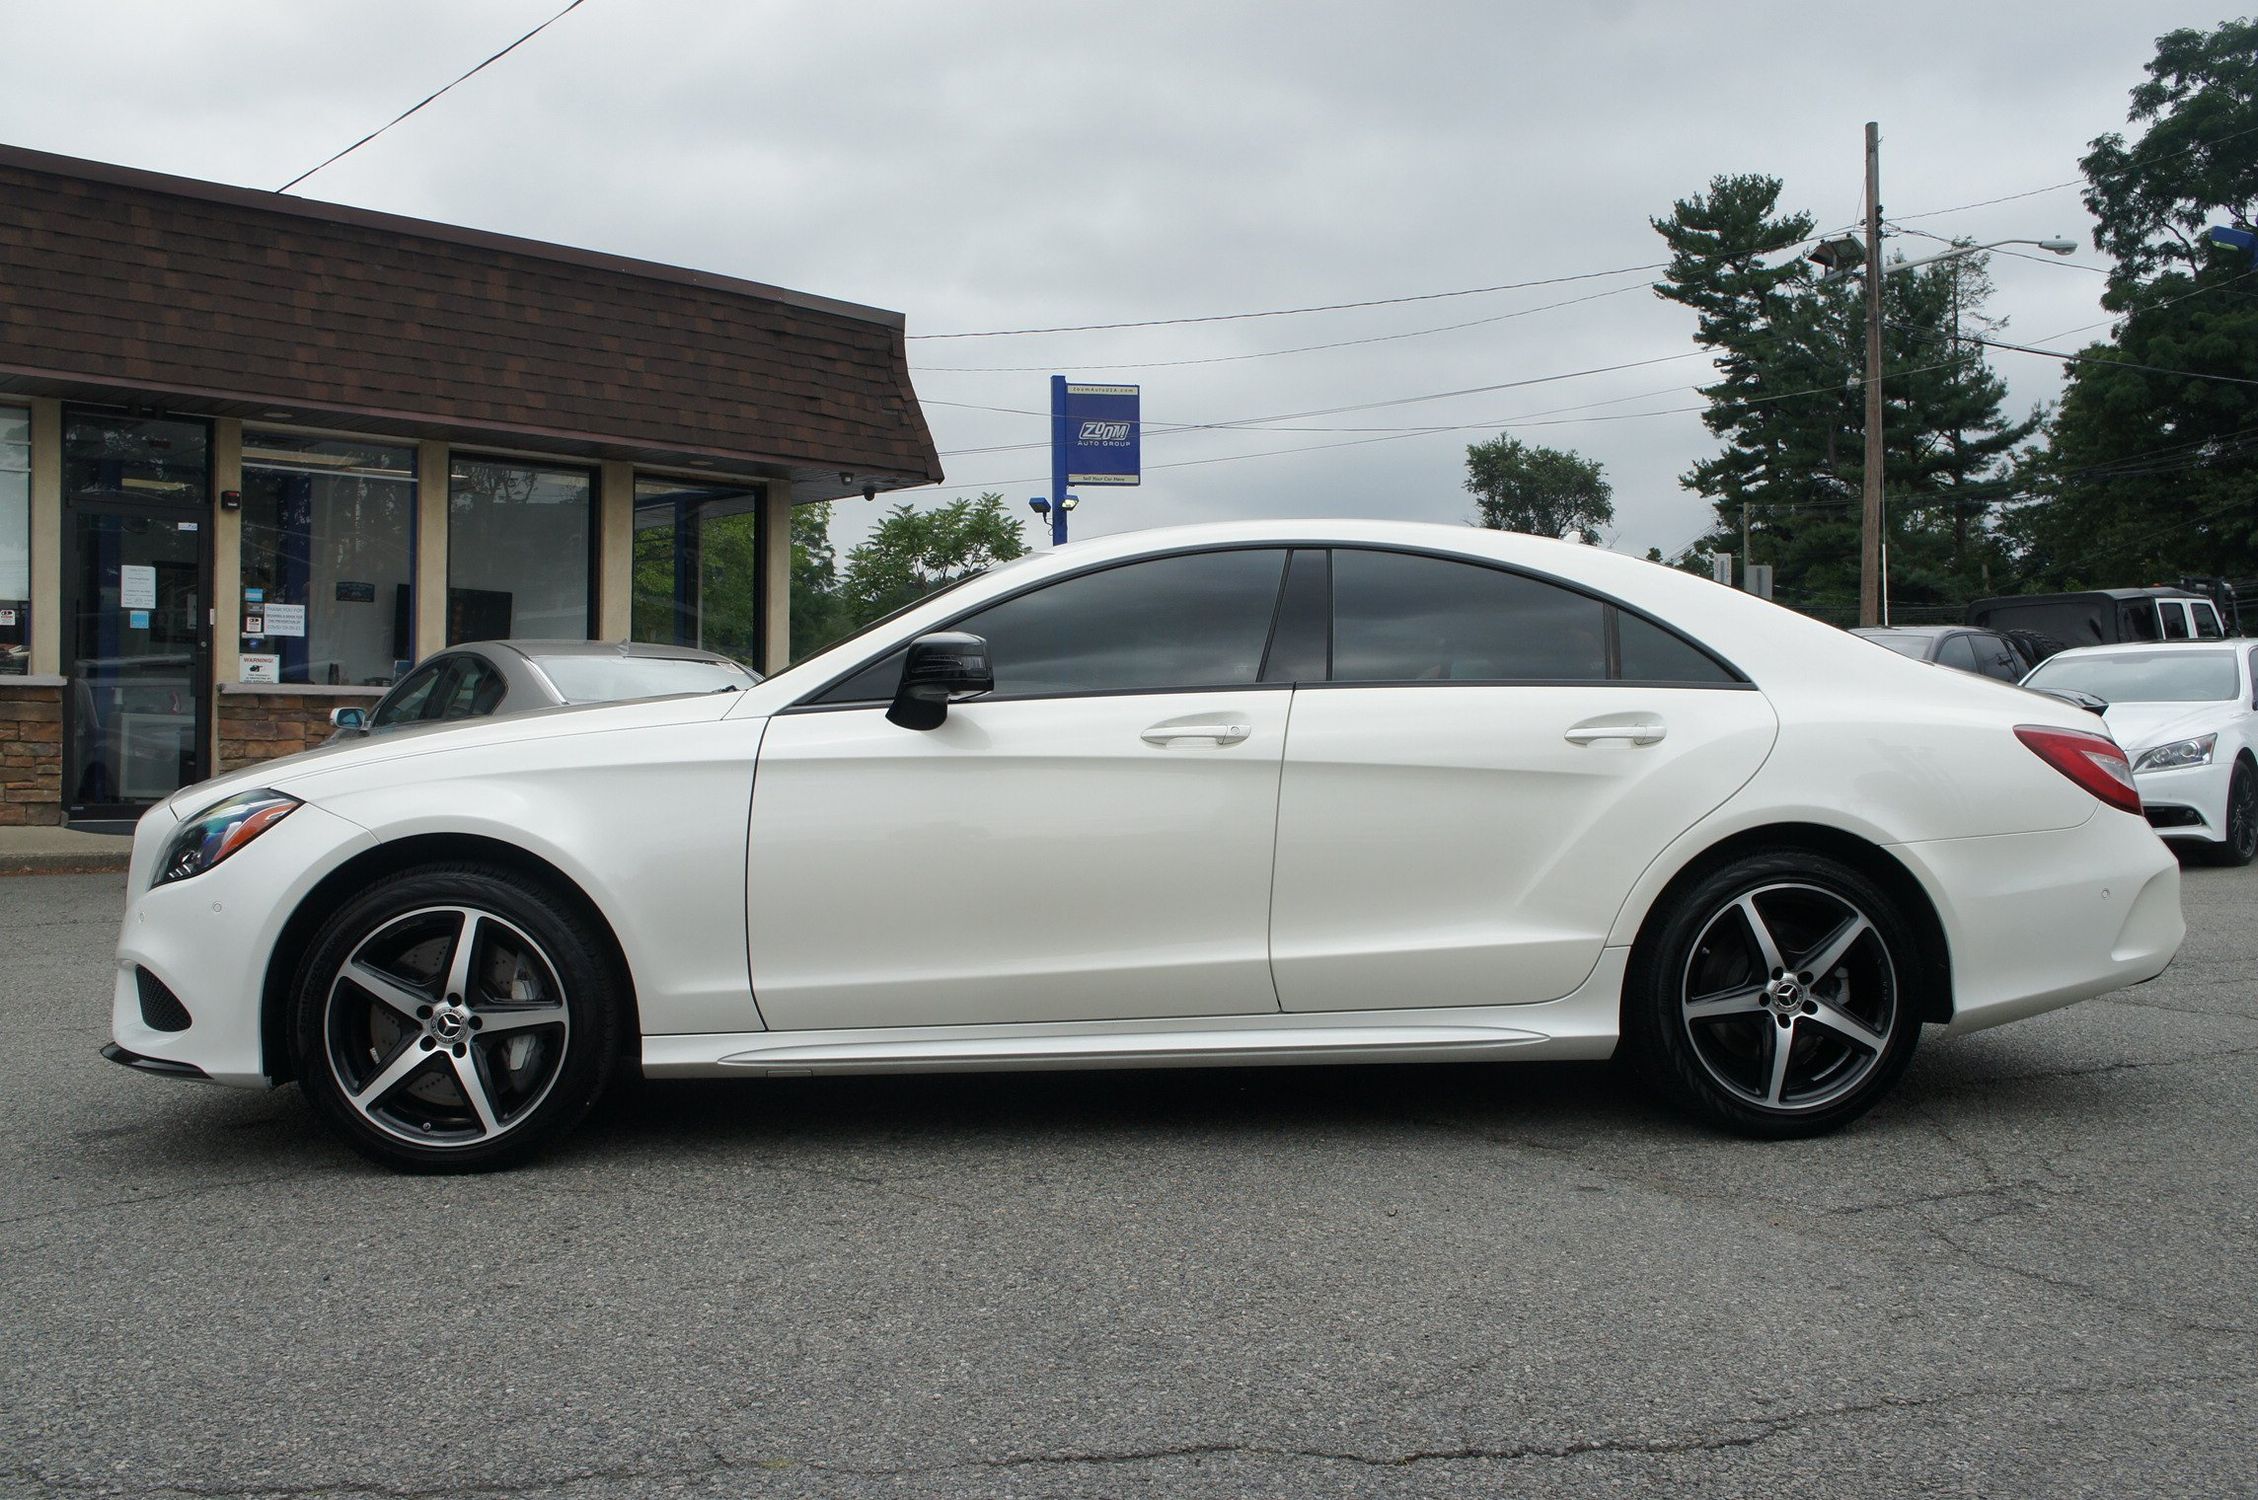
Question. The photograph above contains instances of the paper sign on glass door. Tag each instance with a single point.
(137, 586)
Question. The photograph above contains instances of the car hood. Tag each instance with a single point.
(2137, 726)
(289, 772)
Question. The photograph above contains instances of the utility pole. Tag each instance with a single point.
(1870, 531)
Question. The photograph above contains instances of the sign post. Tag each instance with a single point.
(1096, 435)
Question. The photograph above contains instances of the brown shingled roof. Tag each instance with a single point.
(119, 284)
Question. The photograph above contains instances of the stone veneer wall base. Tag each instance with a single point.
(256, 726)
(31, 754)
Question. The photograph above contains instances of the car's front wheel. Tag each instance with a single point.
(2240, 846)
(1772, 997)
(454, 1018)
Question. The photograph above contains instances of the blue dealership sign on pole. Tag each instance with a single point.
(1096, 435)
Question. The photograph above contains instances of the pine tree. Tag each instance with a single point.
(1790, 408)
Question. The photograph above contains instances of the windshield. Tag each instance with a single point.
(2144, 676)
(1915, 646)
(608, 679)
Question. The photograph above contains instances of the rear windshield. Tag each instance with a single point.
(2144, 676)
(608, 679)
(1915, 646)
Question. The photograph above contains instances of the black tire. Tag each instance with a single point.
(1704, 1012)
(429, 1058)
(2241, 843)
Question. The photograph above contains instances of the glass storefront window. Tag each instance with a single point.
(328, 556)
(15, 541)
(697, 566)
(520, 551)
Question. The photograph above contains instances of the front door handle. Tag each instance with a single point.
(1165, 735)
(1637, 731)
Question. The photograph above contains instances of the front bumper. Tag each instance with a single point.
(156, 1065)
(207, 939)
(2036, 921)
(2189, 803)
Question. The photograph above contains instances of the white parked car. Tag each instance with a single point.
(1259, 793)
(2187, 714)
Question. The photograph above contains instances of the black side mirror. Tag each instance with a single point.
(939, 667)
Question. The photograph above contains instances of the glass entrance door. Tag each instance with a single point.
(137, 600)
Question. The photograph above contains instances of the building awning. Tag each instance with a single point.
(127, 287)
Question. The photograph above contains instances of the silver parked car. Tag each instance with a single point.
(479, 678)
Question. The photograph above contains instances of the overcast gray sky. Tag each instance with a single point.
(992, 166)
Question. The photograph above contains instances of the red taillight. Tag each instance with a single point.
(2093, 761)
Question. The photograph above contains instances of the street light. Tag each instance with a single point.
(1842, 257)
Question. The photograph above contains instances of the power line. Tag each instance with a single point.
(2082, 359)
(1224, 359)
(1288, 312)
(1851, 382)
(1156, 428)
(1938, 213)
(426, 99)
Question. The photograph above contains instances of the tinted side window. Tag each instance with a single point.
(1199, 620)
(1955, 651)
(2175, 620)
(1651, 654)
(2207, 627)
(1400, 618)
(406, 702)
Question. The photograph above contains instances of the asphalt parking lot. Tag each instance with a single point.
(2031, 1272)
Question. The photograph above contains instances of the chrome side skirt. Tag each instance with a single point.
(1582, 1025)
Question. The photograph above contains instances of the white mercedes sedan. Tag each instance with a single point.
(2187, 714)
(1261, 793)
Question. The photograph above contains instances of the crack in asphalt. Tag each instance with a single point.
(2179, 1010)
(1733, 1433)
(1964, 1085)
(1987, 1190)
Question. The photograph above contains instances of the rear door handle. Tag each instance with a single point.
(1637, 731)
(1220, 734)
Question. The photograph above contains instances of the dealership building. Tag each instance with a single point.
(259, 454)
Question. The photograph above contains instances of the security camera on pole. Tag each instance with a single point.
(1096, 436)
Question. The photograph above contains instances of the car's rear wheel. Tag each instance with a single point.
(454, 1018)
(1772, 996)
(2240, 846)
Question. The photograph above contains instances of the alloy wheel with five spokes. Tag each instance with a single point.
(1771, 995)
(446, 1026)
(1788, 996)
(453, 1018)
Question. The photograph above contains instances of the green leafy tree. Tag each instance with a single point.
(721, 610)
(1543, 491)
(819, 616)
(2152, 466)
(913, 552)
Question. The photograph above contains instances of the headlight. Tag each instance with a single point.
(219, 830)
(2178, 754)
